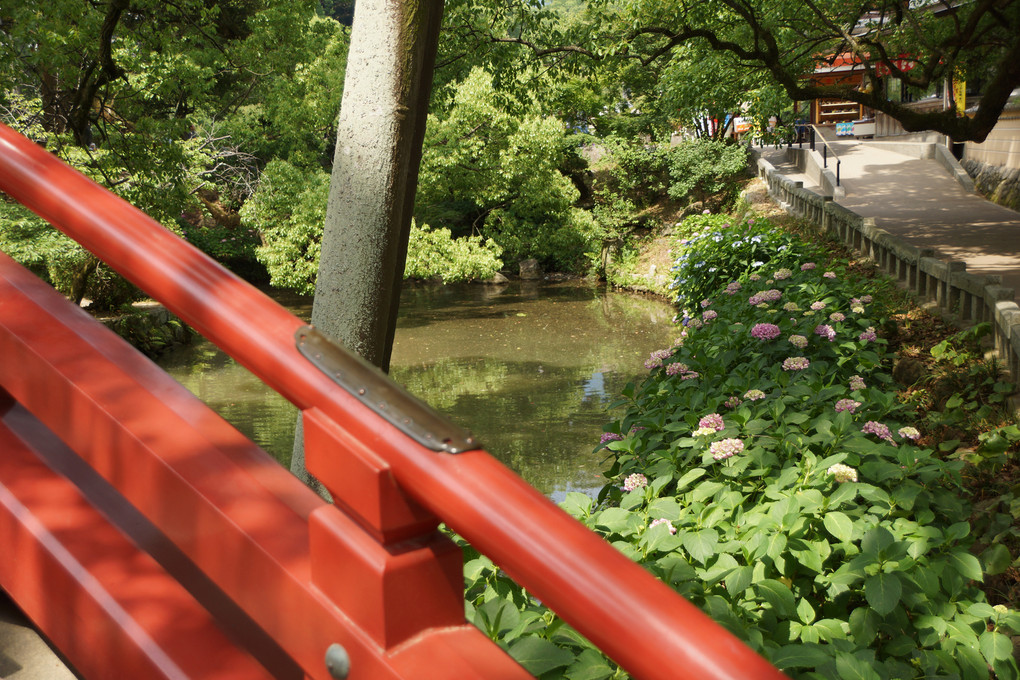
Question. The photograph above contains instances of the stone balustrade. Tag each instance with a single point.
(966, 297)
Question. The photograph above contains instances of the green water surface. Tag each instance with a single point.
(529, 368)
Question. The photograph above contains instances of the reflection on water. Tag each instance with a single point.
(529, 368)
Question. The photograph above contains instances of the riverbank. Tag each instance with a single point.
(149, 327)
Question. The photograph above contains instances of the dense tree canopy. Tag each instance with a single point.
(218, 118)
(917, 44)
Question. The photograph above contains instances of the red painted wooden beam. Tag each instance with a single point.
(108, 606)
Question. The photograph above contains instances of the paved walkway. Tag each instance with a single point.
(23, 654)
(919, 201)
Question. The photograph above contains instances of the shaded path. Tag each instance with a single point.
(920, 202)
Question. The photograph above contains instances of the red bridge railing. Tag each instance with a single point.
(147, 538)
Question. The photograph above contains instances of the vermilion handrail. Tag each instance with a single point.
(639, 622)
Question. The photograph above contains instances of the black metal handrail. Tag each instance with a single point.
(826, 150)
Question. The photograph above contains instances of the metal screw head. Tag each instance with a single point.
(337, 662)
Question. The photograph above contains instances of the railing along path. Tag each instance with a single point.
(969, 297)
(147, 538)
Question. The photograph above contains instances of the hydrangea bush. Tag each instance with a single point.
(713, 249)
(772, 479)
(810, 525)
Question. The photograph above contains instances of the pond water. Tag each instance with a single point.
(529, 368)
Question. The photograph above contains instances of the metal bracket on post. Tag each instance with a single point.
(377, 391)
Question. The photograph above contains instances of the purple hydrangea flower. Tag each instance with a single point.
(610, 437)
(765, 331)
(807, 266)
(826, 331)
(857, 383)
(868, 335)
(847, 405)
(878, 429)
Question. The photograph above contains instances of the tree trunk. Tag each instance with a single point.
(375, 173)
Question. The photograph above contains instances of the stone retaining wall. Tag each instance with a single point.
(968, 297)
(996, 183)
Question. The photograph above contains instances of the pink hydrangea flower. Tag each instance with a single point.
(754, 277)
(705, 303)
(847, 405)
(817, 306)
(689, 375)
(781, 274)
(655, 358)
(610, 437)
(732, 402)
(807, 266)
(843, 473)
(829, 275)
(732, 287)
(795, 363)
(836, 317)
(770, 295)
(709, 314)
(868, 335)
(712, 420)
(635, 481)
(754, 395)
(826, 331)
(857, 383)
(798, 341)
(765, 331)
(724, 448)
(661, 520)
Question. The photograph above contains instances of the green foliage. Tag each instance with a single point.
(762, 471)
(700, 168)
(711, 251)
(177, 106)
(434, 254)
(485, 169)
(289, 211)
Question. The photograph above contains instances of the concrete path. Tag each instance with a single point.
(23, 654)
(919, 201)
